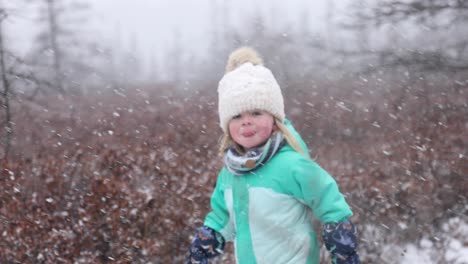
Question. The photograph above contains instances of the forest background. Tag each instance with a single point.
(100, 164)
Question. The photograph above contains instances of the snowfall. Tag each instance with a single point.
(451, 247)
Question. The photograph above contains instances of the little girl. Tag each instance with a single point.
(269, 189)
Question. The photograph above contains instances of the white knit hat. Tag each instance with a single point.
(246, 86)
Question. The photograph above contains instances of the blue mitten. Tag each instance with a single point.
(207, 243)
(340, 240)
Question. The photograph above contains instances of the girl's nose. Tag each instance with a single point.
(246, 120)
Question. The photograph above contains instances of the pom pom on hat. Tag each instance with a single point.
(242, 55)
(247, 86)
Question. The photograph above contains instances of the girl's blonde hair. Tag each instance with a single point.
(227, 141)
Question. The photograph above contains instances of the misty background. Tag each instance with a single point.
(150, 28)
(109, 125)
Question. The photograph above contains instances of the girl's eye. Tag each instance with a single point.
(256, 113)
(236, 117)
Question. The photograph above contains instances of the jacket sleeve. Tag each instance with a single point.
(219, 217)
(316, 188)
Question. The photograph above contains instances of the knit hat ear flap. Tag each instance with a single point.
(247, 86)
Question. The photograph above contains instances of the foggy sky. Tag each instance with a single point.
(147, 28)
(155, 23)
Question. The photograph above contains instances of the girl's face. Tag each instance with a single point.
(251, 128)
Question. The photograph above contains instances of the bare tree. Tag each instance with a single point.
(434, 41)
(61, 52)
(12, 72)
(55, 48)
(6, 124)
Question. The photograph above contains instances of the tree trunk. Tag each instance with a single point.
(54, 45)
(8, 128)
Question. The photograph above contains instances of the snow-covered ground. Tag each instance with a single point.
(450, 246)
(454, 248)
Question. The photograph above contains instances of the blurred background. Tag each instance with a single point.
(109, 125)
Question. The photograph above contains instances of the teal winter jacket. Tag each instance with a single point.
(268, 212)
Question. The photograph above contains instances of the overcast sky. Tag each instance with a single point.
(152, 23)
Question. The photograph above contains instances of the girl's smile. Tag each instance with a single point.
(251, 128)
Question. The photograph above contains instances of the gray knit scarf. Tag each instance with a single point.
(254, 158)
